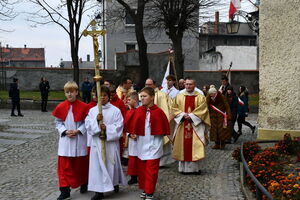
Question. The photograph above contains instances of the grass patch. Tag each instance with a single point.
(35, 95)
(253, 99)
(60, 96)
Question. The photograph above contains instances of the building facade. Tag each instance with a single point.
(279, 102)
(22, 57)
(121, 38)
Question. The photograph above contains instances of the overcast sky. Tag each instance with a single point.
(54, 39)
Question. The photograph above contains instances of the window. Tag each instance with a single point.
(225, 42)
(130, 47)
(128, 18)
(252, 42)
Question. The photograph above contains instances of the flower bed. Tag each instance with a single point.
(276, 168)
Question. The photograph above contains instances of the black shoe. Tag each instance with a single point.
(149, 197)
(236, 137)
(83, 188)
(198, 173)
(191, 173)
(253, 129)
(65, 193)
(20, 115)
(98, 196)
(13, 115)
(116, 188)
(228, 142)
(240, 132)
(143, 195)
(133, 180)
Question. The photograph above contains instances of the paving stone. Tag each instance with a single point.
(3, 121)
(22, 130)
(11, 142)
(2, 149)
(15, 135)
(28, 170)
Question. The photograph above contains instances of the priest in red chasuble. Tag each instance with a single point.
(192, 123)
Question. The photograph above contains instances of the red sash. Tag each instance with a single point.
(188, 129)
(222, 113)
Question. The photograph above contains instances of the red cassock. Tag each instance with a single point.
(128, 128)
(72, 171)
(159, 125)
(116, 101)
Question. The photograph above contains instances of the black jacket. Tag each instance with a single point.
(44, 87)
(14, 92)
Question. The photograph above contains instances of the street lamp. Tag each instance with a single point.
(251, 19)
(233, 27)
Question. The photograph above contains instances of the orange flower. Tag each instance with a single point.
(290, 175)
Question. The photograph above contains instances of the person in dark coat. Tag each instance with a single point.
(224, 85)
(86, 88)
(233, 103)
(243, 110)
(205, 89)
(220, 114)
(44, 89)
(14, 94)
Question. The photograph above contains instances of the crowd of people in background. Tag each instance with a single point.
(143, 130)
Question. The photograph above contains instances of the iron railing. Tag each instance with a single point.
(260, 189)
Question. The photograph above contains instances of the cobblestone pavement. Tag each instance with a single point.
(28, 147)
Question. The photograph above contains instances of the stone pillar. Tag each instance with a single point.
(279, 103)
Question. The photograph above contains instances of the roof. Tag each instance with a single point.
(208, 28)
(22, 54)
(82, 64)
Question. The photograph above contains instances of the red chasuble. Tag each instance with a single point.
(159, 123)
(188, 129)
(79, 109)
(116, 101)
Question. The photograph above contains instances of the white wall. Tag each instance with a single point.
(242, 57)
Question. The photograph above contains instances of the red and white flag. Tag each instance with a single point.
(234, 6)
(241, 102)
(167, 73)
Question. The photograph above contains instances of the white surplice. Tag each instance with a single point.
(71, 147)
(196, 89)
(103, 178)
(172, 92)
(132, 146)
(149, 146)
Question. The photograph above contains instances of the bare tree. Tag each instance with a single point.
(7, 12)
(136, 12)
(178, 17)
(68, 15)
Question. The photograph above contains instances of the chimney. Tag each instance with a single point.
(7, 46)
(80, 60)
(24, 46)
(217, 21)
(88, 57)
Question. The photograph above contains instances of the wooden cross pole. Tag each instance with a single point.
(95, 34)
(172, 62)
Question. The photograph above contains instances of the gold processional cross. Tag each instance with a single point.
(95, 34)
(189, 127)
